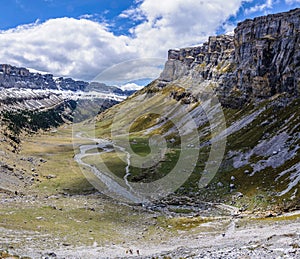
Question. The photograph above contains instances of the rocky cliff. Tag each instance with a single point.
(11, 76)
(22, 78)
(22, 90)
(261, 59)
(255, 75)
(33, 101)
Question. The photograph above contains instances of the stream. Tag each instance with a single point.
(121, 189)
(113, 187)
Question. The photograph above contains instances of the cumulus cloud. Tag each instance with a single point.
(65, 46)
(81, 48)
(131, 70)
(178, 23)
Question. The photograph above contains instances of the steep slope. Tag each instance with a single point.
(24, 96)
(22, 90)
(234, 103)
(259, 61)
(34, 102)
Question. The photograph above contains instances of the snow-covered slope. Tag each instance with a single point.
(22, 89)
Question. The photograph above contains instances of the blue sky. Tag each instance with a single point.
(17, 12)
(81, 39)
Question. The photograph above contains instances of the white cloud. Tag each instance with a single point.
(292, 1)
(82, 48)
(130, 86)
(131, 70)
(179, 23)
(86, 16)
(260, 7)
(65, 46)
(132, 14)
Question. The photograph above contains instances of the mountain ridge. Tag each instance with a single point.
(30, 101)
(261, 127)
(259, 61)
(235, 152)
(260, 110)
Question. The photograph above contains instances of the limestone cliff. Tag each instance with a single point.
(11, 76)
(32, 101)
(259, 61)
(255, 74)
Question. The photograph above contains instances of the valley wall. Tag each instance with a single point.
(260, 60)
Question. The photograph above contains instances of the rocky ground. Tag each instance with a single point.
(57, 214)
(171, 235)
(279, 239)
(269, 241)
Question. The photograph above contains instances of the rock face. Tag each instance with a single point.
(22, 90)
(22, 78)
(268, 54)
(255, 74)
(259, 61)
(33, 101)
(13, 99)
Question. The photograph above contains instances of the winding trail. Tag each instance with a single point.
(127, 171)
(112, 185)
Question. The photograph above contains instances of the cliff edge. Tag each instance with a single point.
(260, 60)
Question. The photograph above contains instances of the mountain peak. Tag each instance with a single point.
(260, 60)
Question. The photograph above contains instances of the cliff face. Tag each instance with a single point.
(22, 78)
(33, 101)
(13, 100)
(255, 74)
(16, 77)
(259, 61)
(22, 90)
(267, 53)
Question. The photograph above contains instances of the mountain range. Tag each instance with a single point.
(235, 100)
(203, 162)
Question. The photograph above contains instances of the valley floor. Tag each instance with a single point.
(221, 237)
(58, 214)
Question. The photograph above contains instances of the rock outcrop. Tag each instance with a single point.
(259, 61)
(22, 90)
(11, 76)
(33, 101)
(16, 99)
(22, 78)
(249, 148)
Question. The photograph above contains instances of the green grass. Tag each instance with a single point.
(260, 184)
(144, 122)
(183, 223)
(140, 145)
(279, 218)
(155, 172)
(110, 160)
(63, 220)
(67, 208)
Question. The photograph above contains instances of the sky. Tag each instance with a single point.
(116, 41)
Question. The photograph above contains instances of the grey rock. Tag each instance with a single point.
(259, 61)
(247, 172)
(219, 184)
